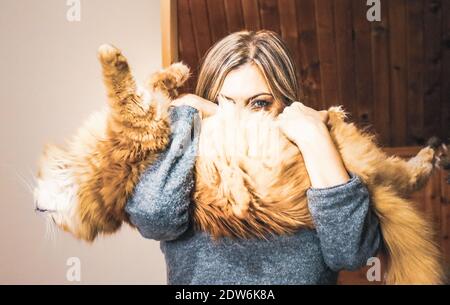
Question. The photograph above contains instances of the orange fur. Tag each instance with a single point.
(250, 180)
(109, 153)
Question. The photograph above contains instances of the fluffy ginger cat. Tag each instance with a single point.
(250, 180)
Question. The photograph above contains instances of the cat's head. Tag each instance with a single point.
(57, 191)
(57, 197)
(55, 194)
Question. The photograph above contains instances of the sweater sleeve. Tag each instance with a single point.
(159, 207)
(347, 228)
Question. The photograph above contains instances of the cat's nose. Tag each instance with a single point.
(38, 209)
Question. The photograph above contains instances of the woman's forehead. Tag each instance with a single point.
(244, 82)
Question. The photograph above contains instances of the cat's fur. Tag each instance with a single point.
(250, 180)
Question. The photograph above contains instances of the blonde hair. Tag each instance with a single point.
(263, 48)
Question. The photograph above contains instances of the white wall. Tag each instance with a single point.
(49, 83)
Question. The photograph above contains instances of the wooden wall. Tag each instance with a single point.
(392, 75)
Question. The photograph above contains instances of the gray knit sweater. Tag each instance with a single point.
(346, 235)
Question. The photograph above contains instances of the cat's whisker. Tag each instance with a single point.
(50, 229)
(26, 183)
(47, 229)
(33, 176)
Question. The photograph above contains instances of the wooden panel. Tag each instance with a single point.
(252, 19)
(381, 81)
(393, 74)
(363, 64)
(415, 57)
(234, 15)
(217, 20)
(397, 23)
(309, 64)
(289, 33)
(186, 40)
(345, 55)
(270, 18)
(445, 78)
(432, 66)
(432, 199)
(201, 26)
(327, 53)
(445, 218)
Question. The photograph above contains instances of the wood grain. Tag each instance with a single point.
(235, 19)
(309, 64)
(363, 64)
(382, 115)
(252, 19)
(327, 52)
(392, 75)
(217, 20)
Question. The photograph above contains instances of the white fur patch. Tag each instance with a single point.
(57, 193)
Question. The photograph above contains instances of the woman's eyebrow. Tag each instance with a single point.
(250, 98)
(259, 94)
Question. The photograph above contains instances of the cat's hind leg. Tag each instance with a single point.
(362, 156)
(139, 114)
(119, 82)
(138, 128)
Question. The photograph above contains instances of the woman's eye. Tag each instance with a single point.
(260, 104)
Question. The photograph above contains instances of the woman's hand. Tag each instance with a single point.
(307, 128)
(303, 125)
(204, 107)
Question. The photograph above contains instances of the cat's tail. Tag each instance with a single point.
(409, 239)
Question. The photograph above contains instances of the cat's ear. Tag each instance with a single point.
(168, 80)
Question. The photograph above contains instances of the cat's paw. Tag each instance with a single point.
(443, 157)
(441, 153)
(112, 56)
(423, 162)
(426, 155)
(179, 72)
(336, 115)
(169, 79)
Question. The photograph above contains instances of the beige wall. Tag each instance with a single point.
(50, 82)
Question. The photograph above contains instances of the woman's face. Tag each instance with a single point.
(247, 87)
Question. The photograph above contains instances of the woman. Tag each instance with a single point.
(254, 70)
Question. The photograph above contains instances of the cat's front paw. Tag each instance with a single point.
(443, 157)
(424, 161)
(169, 79)
(112, 56)
(336, 115)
